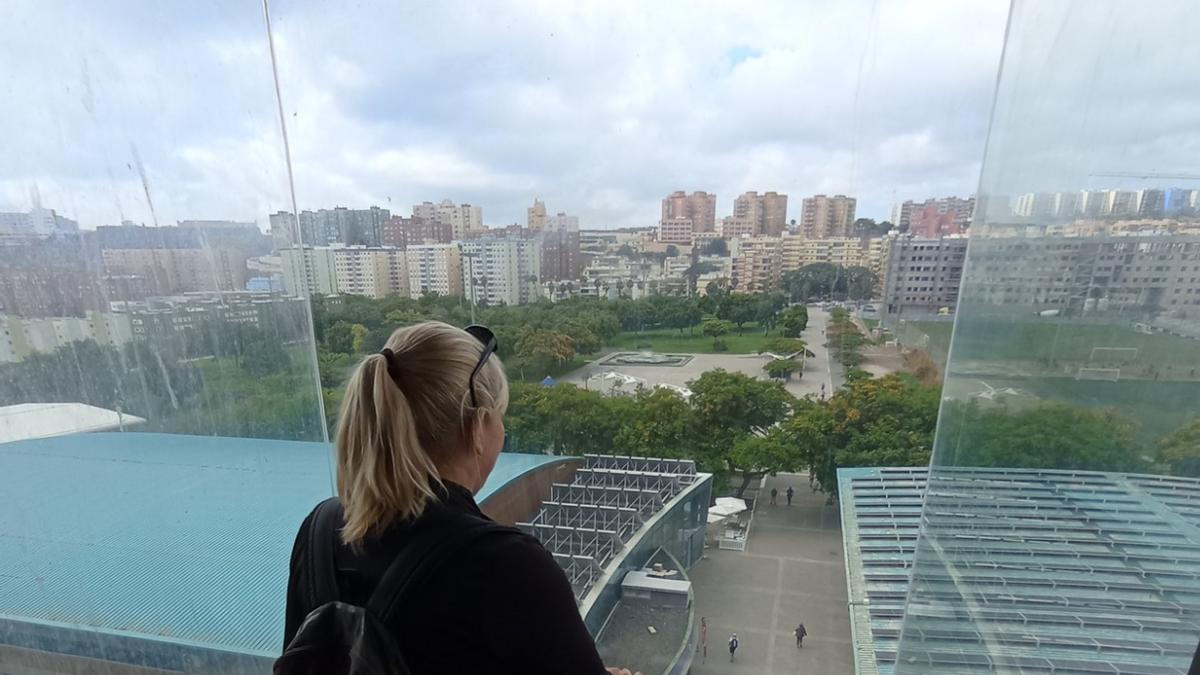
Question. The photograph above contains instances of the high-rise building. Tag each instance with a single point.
(284, 230)
(341, 225)
(462, 218)
(767, 211)
(535, 216)
(823, 217)
(1121, 203)
(798, 251)
(400, 232)
(36, 222)
(501, 270)
(675, 230)
(700, 207)
(758, 264)
(1140, 275)
(1178, 202)
(561, 259)
(308, 270)
(1151, 203)
(733, 226)
(374, 272)
(922, 276)
(434, 268)
(179, 270)
(947, 215)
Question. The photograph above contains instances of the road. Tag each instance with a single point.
(817, 371)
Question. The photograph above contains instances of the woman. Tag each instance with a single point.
(420, 429)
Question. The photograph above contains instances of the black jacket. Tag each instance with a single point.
(501, 605)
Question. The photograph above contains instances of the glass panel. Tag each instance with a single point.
(161, 433)
(1060, 526)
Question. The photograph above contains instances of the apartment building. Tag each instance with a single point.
(823, 217)
(374, 272)
(179, 270)
(675, 230)
(768, 212)
(434, 268)
(758, 265)
(501, 270)
(798, 251)
(934, 217)
(461, 218)
(700, 207)
(922, 276)
(1140, 274)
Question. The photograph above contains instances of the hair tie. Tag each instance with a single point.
(393, 368)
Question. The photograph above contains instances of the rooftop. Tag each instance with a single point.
(1022, 570)
(181, 538)
(40, 420)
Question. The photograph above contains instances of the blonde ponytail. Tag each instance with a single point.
(393, 427)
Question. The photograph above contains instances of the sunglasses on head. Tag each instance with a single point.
(488, 339)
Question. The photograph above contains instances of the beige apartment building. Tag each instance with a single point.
(823, 217)
(372, 272)
(700, 207)
(732, 226)
(798, 251)
(179, 270)
(768, 212)
(758, 264)
(434, 268)
(675, 230)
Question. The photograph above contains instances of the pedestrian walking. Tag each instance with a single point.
(733, 645)
(704, 639)
(790, 493)
(800, 633)
(774, 495)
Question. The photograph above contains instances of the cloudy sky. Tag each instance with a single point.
(155, 112)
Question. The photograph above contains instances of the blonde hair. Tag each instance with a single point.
(391, 432)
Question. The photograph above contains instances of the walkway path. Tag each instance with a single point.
(792, 571)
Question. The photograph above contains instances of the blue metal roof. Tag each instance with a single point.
(1021, 570)
(183, 538)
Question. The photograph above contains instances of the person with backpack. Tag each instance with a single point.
(774, 495)
(733, 645)
(401, 573)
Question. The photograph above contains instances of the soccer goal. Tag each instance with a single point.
(1114, 354)
(1105, 374)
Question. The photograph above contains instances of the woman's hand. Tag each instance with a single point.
(620, 671)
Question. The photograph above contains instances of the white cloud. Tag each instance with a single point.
(599, 108)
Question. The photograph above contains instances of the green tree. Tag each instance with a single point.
(661, 425)
(737, 308)
(783, 346)
(877, 422)
(752, 457)
(794, 320)
(1046, 436)
(781, 369)
(729, 407)
(1180, 451)
(358, 340)
(715, 328)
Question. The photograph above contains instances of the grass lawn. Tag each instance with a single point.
(670, 341)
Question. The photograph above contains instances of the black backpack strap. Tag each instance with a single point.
(431, 544)
(322, 568)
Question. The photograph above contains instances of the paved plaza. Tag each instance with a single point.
(816, 369)
(791, 571)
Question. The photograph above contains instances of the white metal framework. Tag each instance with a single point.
(585, 524)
